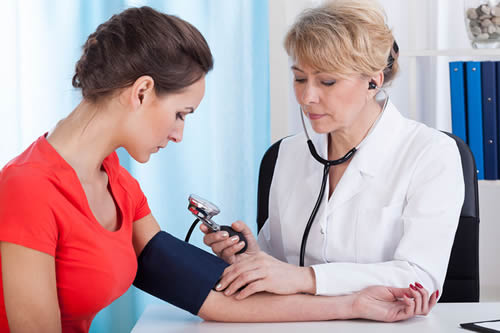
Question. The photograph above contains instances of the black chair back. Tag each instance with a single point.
(462, 278)
(266, 173)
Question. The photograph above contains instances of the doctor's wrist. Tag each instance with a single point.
(307, 281)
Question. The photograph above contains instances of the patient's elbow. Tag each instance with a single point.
(205, 316)
(213, 307)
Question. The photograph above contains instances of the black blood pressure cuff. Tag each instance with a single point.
(177, 272)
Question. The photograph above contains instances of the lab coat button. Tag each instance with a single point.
(322, 231)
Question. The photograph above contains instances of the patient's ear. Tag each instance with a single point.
(141, 91)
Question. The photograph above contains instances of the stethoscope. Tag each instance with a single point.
(327, 164)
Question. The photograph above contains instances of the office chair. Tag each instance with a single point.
(462, 278)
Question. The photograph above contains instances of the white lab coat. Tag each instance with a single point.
(390, 221)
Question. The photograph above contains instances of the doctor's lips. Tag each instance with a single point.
(314, 116)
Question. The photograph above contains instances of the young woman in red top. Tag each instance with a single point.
(75, 225)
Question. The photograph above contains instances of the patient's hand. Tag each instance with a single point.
(225, 247)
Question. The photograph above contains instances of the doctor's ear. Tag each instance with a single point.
(141, 90)
(376, 81)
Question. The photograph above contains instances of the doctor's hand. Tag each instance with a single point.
(392, 304)
(225, 247)
(262, 272)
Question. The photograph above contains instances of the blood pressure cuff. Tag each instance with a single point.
(177, 272)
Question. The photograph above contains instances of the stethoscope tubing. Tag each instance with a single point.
(305, 236)
(327, 164)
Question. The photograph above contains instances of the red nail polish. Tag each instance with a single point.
(413, 287)
(418, 285)
(407, 295)
(437, 293)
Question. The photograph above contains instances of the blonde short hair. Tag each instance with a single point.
(345, 37)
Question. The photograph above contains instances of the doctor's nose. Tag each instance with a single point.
(309, 95)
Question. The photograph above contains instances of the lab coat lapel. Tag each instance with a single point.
(364, 164)
(349, 185)
(374, 152)
(367, 161)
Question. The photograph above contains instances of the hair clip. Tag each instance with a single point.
(390, 60)
(395, 47)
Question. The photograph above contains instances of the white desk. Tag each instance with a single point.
(443, 318)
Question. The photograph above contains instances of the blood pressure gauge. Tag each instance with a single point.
(205, 210)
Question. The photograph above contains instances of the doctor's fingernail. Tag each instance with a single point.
(218, 286)
(234, 239)
(240, 244)
(413, 287)
(224, 234)
(418, 285)
(437, 293)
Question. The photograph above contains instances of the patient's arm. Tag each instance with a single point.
(374, 303)
(29, 287)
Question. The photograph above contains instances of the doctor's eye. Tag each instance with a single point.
(180, 116)
(299, 80)
(328, 83)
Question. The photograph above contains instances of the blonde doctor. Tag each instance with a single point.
(390, 210)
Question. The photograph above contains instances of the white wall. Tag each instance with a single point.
(281, 15)
(421, 91)
(489, 244)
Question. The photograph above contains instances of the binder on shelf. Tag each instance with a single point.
(490, 130)
(498, 112)
(457, 94)
(474, 114)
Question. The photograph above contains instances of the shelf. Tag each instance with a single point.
(450, 52)
(484, 182)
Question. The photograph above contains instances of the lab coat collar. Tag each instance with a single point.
(365, 162)
(373, 152)
(370, 154)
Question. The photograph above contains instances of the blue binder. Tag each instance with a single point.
(498, 112)
(474, 114)
(457, 94)
(490, 132)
